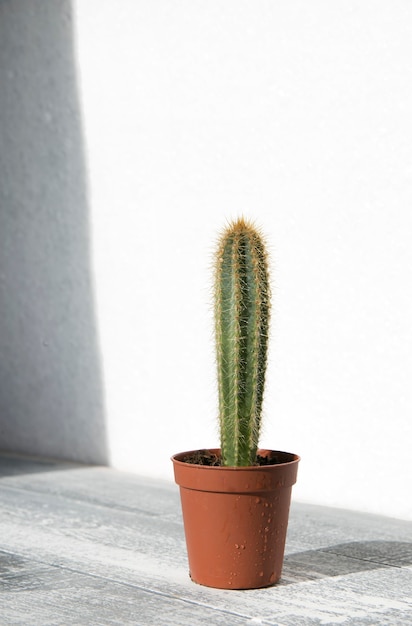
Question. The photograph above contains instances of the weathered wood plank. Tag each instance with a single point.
(126, 531)
(34, 593)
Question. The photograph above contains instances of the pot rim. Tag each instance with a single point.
(244, 479)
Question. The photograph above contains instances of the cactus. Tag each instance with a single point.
(242, 312)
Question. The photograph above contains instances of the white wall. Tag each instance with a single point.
(296, 114)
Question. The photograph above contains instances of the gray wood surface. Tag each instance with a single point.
(94, 546)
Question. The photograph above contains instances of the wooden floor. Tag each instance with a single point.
(92, 546)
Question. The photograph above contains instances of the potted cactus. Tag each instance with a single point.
(235, 499)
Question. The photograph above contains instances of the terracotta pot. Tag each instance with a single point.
(235, 519)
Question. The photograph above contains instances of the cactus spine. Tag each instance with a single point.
(242, 311)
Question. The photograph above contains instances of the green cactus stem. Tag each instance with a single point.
(242, 312)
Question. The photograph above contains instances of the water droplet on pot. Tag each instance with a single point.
(261, 574)
(257, 500)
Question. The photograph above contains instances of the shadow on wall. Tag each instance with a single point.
(50, 386)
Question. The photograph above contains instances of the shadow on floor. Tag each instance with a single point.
(344, 559)
(16, 465)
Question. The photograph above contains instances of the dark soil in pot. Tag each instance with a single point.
(213, 458)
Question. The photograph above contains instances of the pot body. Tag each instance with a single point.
(235, 519)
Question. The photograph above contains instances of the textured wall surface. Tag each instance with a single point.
(50, 392)
(296, 114)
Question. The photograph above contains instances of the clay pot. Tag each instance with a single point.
(235, 519)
